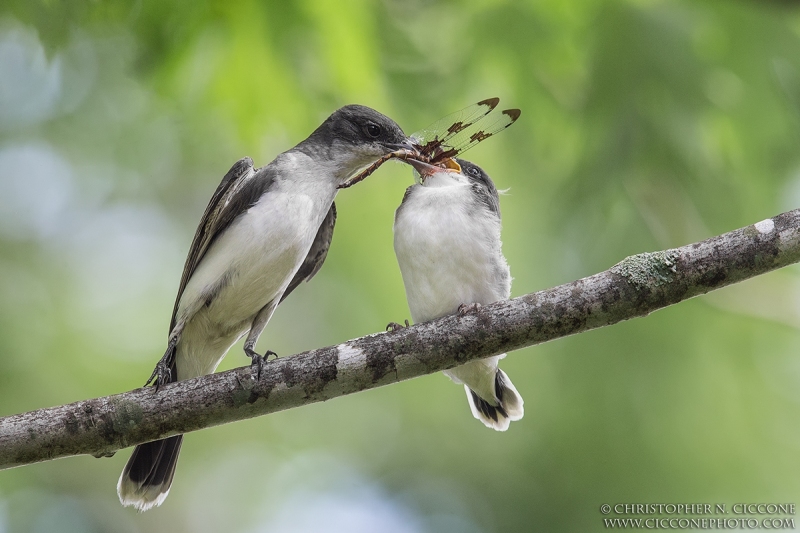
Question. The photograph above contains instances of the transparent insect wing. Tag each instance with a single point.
(469, 137)
(438, 133)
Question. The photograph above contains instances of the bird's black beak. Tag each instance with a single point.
(406, 146)
(402, 151)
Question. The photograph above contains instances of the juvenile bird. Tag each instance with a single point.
(447, 242)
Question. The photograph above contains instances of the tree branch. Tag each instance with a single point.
(634, 287)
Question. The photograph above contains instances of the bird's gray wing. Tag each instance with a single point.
(488, 196)
(400, 207)
(237, 192)
(317, 254)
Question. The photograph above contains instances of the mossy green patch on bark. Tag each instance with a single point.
(127, 416)
(648, 269)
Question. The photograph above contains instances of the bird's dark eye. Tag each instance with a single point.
(473, 171)
(373, 130)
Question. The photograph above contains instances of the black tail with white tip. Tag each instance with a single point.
(506, 407)
(147, 476)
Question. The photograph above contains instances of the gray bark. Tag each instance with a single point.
(632, 288)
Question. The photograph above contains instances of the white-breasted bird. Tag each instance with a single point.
(264, 232)
(447, 242)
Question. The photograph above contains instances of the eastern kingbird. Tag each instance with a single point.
(264, 232)
(447, 242)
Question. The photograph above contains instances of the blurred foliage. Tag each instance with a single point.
(646, 124)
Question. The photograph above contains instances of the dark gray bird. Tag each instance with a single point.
(447, 242)
(264, 232)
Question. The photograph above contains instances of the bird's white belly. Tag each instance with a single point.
(447, 257)
(252, 262)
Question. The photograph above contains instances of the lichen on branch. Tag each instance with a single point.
(636, 286)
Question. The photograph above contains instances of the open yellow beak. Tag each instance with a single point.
(452, 164)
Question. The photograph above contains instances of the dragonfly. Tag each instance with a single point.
(449, 137)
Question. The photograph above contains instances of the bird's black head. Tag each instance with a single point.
(359, 124)
(355, 136)
(482, 184)
(477, 175)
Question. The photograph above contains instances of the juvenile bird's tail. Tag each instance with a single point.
(507, 405)
(492, 397)
(147, 476)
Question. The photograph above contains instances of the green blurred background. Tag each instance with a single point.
(646, 124)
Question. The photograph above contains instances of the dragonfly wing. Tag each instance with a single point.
(438, 133)
(469, 137)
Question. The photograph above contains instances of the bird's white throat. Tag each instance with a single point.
(442, 179)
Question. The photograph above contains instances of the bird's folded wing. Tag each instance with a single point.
(236, 193)
(317, 254)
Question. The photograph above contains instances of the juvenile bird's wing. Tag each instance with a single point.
(239, 189)
(317, 254)
(488, 196)
(402, 205)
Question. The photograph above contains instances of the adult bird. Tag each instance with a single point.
(447, 242)
(264, 232)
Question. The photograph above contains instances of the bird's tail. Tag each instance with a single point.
(492, 397)
(147, 476)
(507, 404)
(146, 479)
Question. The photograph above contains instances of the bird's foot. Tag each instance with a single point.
(466, 309)
(162, 372)
(258, 360)
(394, 326)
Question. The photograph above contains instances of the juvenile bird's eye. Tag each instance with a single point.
(373, 130)
(473, 171)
